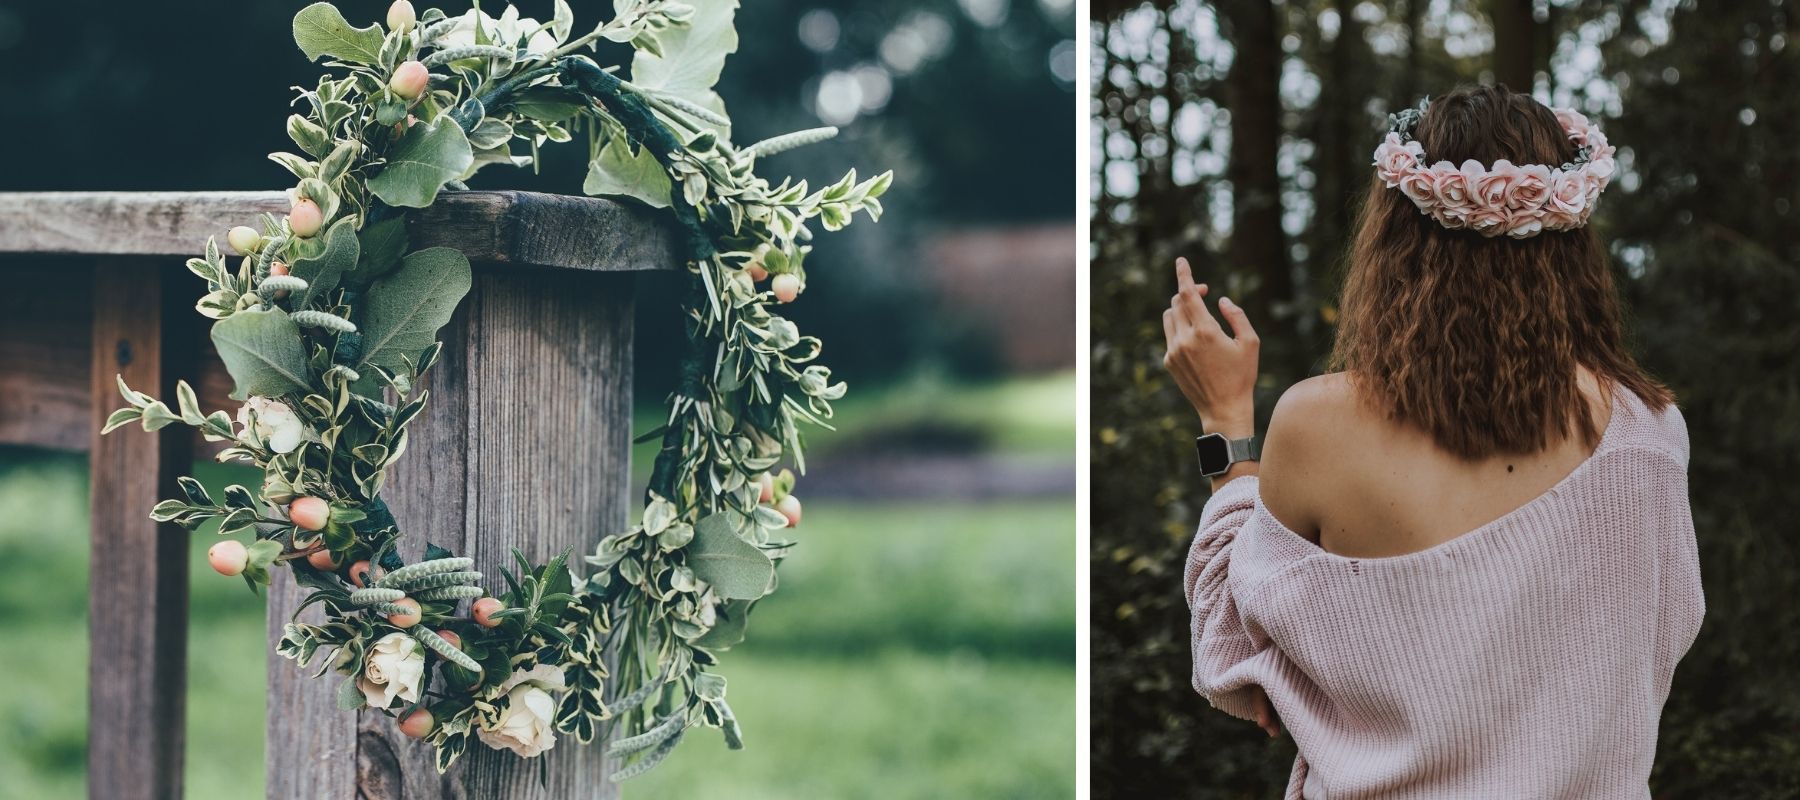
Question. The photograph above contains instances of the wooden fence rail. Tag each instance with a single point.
(526, 444)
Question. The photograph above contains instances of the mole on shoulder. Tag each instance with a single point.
(1509, 468)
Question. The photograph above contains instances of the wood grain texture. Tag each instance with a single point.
(309, 746)
(514, 228)
(46, 320)
(137, 597)
(550, 387)
(525, 443)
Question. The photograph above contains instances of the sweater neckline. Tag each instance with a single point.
(1474, 535)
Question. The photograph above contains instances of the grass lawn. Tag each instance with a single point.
(1030, 416)
(915, 650)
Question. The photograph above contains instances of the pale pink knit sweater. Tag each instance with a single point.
(1528, 658)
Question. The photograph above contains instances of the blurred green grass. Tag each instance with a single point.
(1026, 416)
(916, 649)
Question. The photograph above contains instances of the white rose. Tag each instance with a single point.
(526, 726)
(506, 31)
(274, 423)
(393, 669)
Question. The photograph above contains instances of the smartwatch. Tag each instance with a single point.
(1218, 453)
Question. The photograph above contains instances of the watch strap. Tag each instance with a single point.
(1246, 449)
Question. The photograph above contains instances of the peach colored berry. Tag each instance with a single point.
(228, 557)
(418, 723)
(786, 287)
(358, 570)
(322, 559)
(409, 80)
(484, 610)
(758, 272)
(401, 16)
(408, 619)
(278, 268)
(310, 513)
(244, 239)
(790, 508)
(768, 488)
(451, 637)
(305, 218)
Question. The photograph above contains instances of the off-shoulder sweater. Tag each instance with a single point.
(1527, 658)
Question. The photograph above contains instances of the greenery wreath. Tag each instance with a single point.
(329, 321)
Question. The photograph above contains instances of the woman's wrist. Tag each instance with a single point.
(1238, 424)
(1242, 469)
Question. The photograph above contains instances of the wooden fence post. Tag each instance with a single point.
(138, 578)
(525, 444)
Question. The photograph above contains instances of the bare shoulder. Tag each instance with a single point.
(1312, 423)
(1315, 405)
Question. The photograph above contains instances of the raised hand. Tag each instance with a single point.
(1215, 371)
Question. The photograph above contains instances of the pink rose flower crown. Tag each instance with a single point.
(1517, 200)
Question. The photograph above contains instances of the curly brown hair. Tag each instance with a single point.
(1478, 340)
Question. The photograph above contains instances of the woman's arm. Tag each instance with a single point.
(1217, 375)
(1216, 372)
(1220, 640)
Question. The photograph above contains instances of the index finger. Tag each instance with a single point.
(1184, 275)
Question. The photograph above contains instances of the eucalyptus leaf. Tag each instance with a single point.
(732, 620)
(489, 134)
(428, 156)
(380, 245)
(709, 686)
(736, 569)
(616, 172)
(686, 60)
(403, 311)
(321, 30)
(322, 272)
(549, 103)
(349, 697)
(263, 552)
(263, 352)
(308, 135)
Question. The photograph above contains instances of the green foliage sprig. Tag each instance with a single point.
(328, 325)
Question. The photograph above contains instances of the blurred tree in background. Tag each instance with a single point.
(966, 100)
(1238, 134)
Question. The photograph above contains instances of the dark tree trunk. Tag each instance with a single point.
(1515, 43)
(1409, 75)
(1252, 91)
(1341, 134)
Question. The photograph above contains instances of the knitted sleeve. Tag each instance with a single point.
(1220, 639)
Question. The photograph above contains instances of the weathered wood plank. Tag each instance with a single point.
(46, 331)
(515, 228)
(46, 318)
(309, 746)
(525, 444)
(550, 388)
(137, 595)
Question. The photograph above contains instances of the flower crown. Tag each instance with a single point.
(1518, 200)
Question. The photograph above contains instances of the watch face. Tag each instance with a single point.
(1215, 454)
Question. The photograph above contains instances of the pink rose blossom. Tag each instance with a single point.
(1493, 186)
(1394, 157)
(1488, 222)
(1601, 169)
(1420, 186)
(1575, 123)
(1531, 187)
(1524, 223)
(1451, 190)
(1567, 204)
